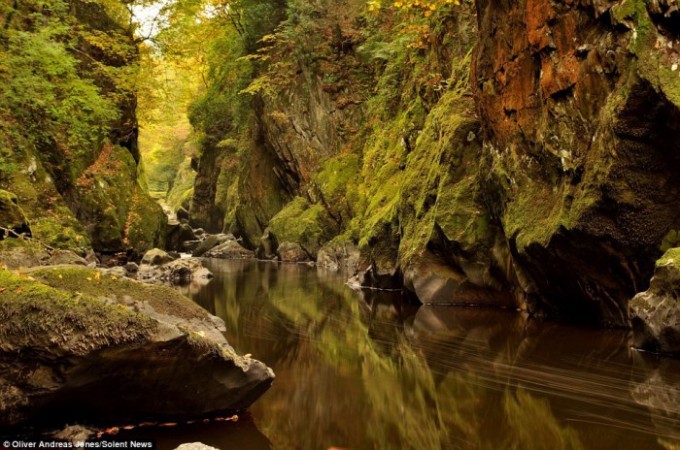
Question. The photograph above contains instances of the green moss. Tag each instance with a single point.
(55, 232)
(440, 180)
(11, 215)
(306, 224)
(183, 185)
(336, 183)
(146, 223)
(91, 282)
(672, 256)
(36, 316)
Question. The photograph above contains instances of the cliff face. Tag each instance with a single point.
(68, 130)
(580, 104)
(544, 178)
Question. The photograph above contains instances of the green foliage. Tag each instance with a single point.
(42, 90)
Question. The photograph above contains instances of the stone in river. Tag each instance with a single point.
(135, 352)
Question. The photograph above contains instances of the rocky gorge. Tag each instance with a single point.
(515, 155)
(524, 157)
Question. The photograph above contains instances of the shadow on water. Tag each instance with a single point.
(371, 371)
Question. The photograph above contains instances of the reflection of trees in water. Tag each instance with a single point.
(376, 373)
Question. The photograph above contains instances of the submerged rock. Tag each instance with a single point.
(655, 313)
(77, 346)
(230, 250)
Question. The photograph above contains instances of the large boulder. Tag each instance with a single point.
(339, 256)
(308, 225)
(180, 271)
(655, 313)
(209, 242)
(103, 327)
(61, 257)
(292, 252)
(156, 257)
(177, 235)
(12, 218)
(230, 250)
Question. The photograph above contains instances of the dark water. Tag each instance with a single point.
(365, 371)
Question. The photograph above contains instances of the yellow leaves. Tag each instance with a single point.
(96, 278)
(427, 7)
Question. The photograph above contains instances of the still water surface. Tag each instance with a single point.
(367, 371)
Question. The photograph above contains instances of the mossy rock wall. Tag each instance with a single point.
(68, 129)
(117, 212)
(549, 180)
(304, 224)
(580, 119)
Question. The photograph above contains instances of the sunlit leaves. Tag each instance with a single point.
(427, 7)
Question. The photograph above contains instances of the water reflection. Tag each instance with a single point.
(373, 371)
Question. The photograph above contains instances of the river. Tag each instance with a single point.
(369, 370)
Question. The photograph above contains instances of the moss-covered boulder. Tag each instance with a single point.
(103, 327)
(308, 225)
(117, 212)
(655, 313)
(340, 254)
(12, 218)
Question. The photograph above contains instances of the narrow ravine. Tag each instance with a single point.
(369, 370)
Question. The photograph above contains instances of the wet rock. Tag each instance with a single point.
(114, 259)
(268, 245)
(307, 225)
(195, 446)
(183, 215)
(437, 283)
(11, 216)
(230, 250)
(18, 253)
(292, 252)
(567, 116)
(117, 271)
(207, 243)
(180, 271)
(379, 278)
(68, 257)
(339, 257)
(190, 246)
(177, 235)
(655, 313)
(114, 323)
(132, 267)
(156, 257)
(75, 433)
